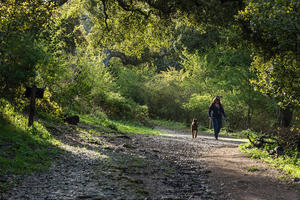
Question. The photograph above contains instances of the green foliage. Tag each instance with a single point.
(23, 149)
(47, 106)
(224, 72)
(194, 39)
(104, 122)
(148, 21)
(272, 27)
(131, 84)
(252, 169)
(77, 81)
(130, 127)
(290, 165)
(126, 31)
(289, 137)
(165, 93)
(234, 134)
(19, 17)
(117, 106)
(190, 56)
(193, 50)
(197, 107)
(21, 22)
(171, 124)
(122, 126)
(66, 29)
(9, 114)
(279, 77)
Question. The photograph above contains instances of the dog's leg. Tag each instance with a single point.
(196, 133)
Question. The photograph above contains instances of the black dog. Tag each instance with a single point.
(72, 119)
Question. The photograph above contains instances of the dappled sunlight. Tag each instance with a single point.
(116, 164)
(83, 152)
(103, 99)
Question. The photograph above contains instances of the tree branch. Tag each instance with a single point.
(104, 13)
(127, 7)
(126, 60)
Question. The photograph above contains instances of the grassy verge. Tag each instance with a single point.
(170, 124)
(235, 134)
(176, 125)
(122, 126)
(131, 127)
(290, 165)
(22, 150)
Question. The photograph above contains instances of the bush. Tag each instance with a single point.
(165, 93)
(289, 164)
(7, 112)
(131, 85)
(118, 107)
(46, 105)
(197, 107)
(289, 138)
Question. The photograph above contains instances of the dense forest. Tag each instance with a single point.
(137, 60)
(155, 59)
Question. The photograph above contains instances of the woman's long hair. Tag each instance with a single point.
(214, 100)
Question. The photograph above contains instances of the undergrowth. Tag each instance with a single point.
(235, 134)
(22, 149)
(175, 125)
(289, 164)
(169, 124)
(122, 126)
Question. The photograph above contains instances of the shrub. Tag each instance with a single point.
(289, 138)
(46, 105)
(197, 106)
(164, 95)
(119, 107)
(8, 113)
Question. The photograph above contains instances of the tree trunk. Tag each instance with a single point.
(285, 116)
(249, 106)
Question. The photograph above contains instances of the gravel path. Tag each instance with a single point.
(119, 166)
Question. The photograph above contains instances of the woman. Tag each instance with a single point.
(217, 109)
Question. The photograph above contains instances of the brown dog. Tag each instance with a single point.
(194, 128)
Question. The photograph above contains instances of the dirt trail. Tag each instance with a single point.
(134, 166)
(241, 178)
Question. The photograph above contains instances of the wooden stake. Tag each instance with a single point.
(32, 106)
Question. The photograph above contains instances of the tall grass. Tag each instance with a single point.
(119, 125)
(22, 149)
(289, 164)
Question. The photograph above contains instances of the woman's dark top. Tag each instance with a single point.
(217, 111)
